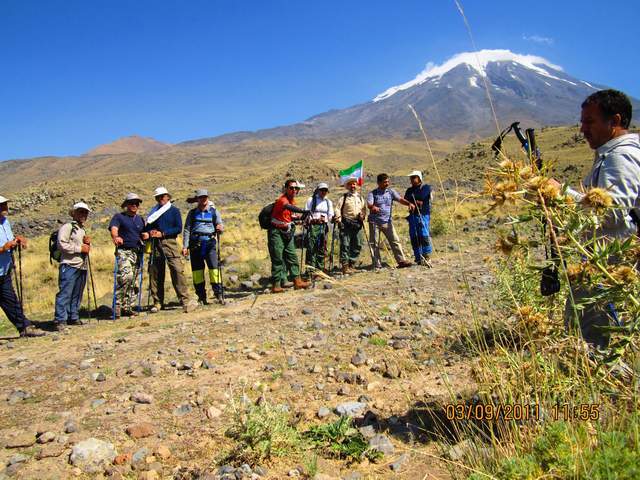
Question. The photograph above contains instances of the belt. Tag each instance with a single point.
(208, 236)
(169, 237)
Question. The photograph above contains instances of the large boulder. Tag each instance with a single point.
(92, 455)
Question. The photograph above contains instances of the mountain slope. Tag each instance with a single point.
(452, 100)
(131, 144)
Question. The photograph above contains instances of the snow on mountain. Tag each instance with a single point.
(478, 61)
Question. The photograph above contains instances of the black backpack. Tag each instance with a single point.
(264, 217)
(54, 251)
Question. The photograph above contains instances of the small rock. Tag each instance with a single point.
(18, 458)
(149, 475)
(306, 311)
(46, 437)
(182, 410)
(22, 440)
(253, 356)
(98, 377)
(92, 455)
(212, 412)
(98, 402)
(141, 397)
(122, 459)
(351, 409)
(399, 463)
(140, 430)
(344, 390)
(163, 452)
(367, 431)
(292, 361)
(323, 412)
(70, 426)
(359, 358)
(382, 443)
(140, 455)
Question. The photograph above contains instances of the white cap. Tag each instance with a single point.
(160, 191)
(322, 186)
(300, 185)
(416, 173)
(3, 199)
(81, 205)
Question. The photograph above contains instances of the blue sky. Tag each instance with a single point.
(75, 74)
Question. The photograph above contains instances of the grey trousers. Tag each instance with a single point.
(390, 233)
(589, 317)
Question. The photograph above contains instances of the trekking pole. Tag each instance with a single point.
(333, 243)
(115, 284)
(366, 238)
(219, 250)
(302, 248)
(16, 280)
(93, 283)
(151, 260)
(141, 267)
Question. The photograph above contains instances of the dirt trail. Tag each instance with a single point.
(296, 348)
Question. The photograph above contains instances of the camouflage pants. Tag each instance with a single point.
(127, 279)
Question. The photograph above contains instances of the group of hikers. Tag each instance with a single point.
(319, 216)
(605, 120)
(157, 236)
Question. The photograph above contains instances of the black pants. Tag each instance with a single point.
(204, 252)
(10, 304)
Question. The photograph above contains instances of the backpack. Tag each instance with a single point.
(54, 251)
(264, 217)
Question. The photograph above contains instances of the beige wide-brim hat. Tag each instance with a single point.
(3, 199)
(160, 191)
(130, 198)
(79, 206)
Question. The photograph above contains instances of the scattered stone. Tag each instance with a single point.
(382, 443)
(399, 463)
(253, 356)
(98, 377)
(400, 344)
(369, 331)
(149, 475)
(212, 412)
(391, 370)
(140, 455)
(344, 390)
(22, 440)
(323, 412)
(182, 410)
(70, 426)
(141, 397)
(50, 450)
(306, 311)
(18, 458)
(122, 459)
(367, 431)
(98, 402)
(163, 452)
(140, 430)
(92, 455)
(350, 409)
(292, 361)
(17, 396)
(359, 358)
(460, 450)
(86, 364)
(46, 437)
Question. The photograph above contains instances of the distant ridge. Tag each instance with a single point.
(131, 144)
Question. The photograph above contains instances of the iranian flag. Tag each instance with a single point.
(355, 171)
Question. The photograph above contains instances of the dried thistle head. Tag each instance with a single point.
(575, 271)
(550, 191)
(508, 165)
(536, 323)
(536, 183)
(526, 172)
(505, 245)
(500, 192)
(597, 198)
(624, 275)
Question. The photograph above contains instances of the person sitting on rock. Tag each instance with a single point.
(74, 246)
(321, 209)
(349, 216)
(127, 234)
(282, 249)
(200, 234)
(9, 302)
(380, 203)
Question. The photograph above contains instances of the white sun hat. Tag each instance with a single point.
(416, 173)
(160, 191)
(3, 199)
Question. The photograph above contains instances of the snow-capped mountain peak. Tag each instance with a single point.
(477, 61)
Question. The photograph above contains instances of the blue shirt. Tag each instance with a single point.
(200, 223)
(170, 223)
(383, 199)
(6, 235)
(129, 228)
(422, 193)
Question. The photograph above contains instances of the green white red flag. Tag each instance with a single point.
(354, 171)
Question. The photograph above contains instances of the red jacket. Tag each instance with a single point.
(281, 217)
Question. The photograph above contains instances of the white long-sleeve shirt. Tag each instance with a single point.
(323, 209)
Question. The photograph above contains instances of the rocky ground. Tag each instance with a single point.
(152, 397)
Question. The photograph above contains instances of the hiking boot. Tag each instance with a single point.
(189, 307)
(276, 288)
(155, 308)
(345, 269)
(425, 262)
(30, 332)
(220, 298)
(202, 301)
(287, 285)
(300, 284)
(404, 264)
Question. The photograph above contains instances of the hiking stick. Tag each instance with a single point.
(151, 264)
(333, 242)
(366, 238)
(21, 284)
(304, 240)
(141, 268)
(115, 284)
(15, 277)
(93, 284)
(219, 250)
